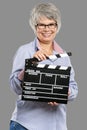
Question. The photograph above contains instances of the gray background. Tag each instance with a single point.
(15, 31)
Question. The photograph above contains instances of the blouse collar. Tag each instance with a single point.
(56, 46)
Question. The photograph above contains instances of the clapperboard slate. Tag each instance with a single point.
(45, 83)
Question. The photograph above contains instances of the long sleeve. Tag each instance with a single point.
(73, 86)
(18, 65)
(49, 117)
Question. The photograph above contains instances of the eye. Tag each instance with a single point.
(40, 26)
(43, 26)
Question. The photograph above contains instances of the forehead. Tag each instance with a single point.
(45, 20)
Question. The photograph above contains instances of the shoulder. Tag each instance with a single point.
(27, 46)
(25, 50)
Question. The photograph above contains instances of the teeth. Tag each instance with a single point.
(46, 35)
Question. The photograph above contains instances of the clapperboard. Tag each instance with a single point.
(46, 83)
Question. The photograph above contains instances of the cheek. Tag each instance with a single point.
(38, 33)
(54, 34)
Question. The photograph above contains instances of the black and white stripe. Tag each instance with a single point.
(53, 56)
(44, 82)
(59, 55)
(52, 66)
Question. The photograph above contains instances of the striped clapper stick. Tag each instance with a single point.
(45, 83)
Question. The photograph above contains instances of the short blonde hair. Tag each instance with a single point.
(48, 10)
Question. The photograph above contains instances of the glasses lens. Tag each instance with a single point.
(50, 26)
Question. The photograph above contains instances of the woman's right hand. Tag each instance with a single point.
(41, 55)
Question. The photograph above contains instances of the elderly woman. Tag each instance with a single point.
(45, 21)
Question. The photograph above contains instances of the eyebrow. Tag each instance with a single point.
(46, 24)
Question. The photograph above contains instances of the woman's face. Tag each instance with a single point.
(46, 30)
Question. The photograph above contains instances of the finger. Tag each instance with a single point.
(51, 103)
(40, 56)
(45, 53)
(55, 103)
(69, 92)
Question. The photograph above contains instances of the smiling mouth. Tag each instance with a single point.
(46, 34)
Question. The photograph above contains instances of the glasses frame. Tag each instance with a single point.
(43, 26)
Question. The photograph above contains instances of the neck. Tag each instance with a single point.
(48, 47)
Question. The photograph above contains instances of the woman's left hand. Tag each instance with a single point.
(53, 103)
(21, 75)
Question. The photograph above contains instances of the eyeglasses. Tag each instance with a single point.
(43, 26)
